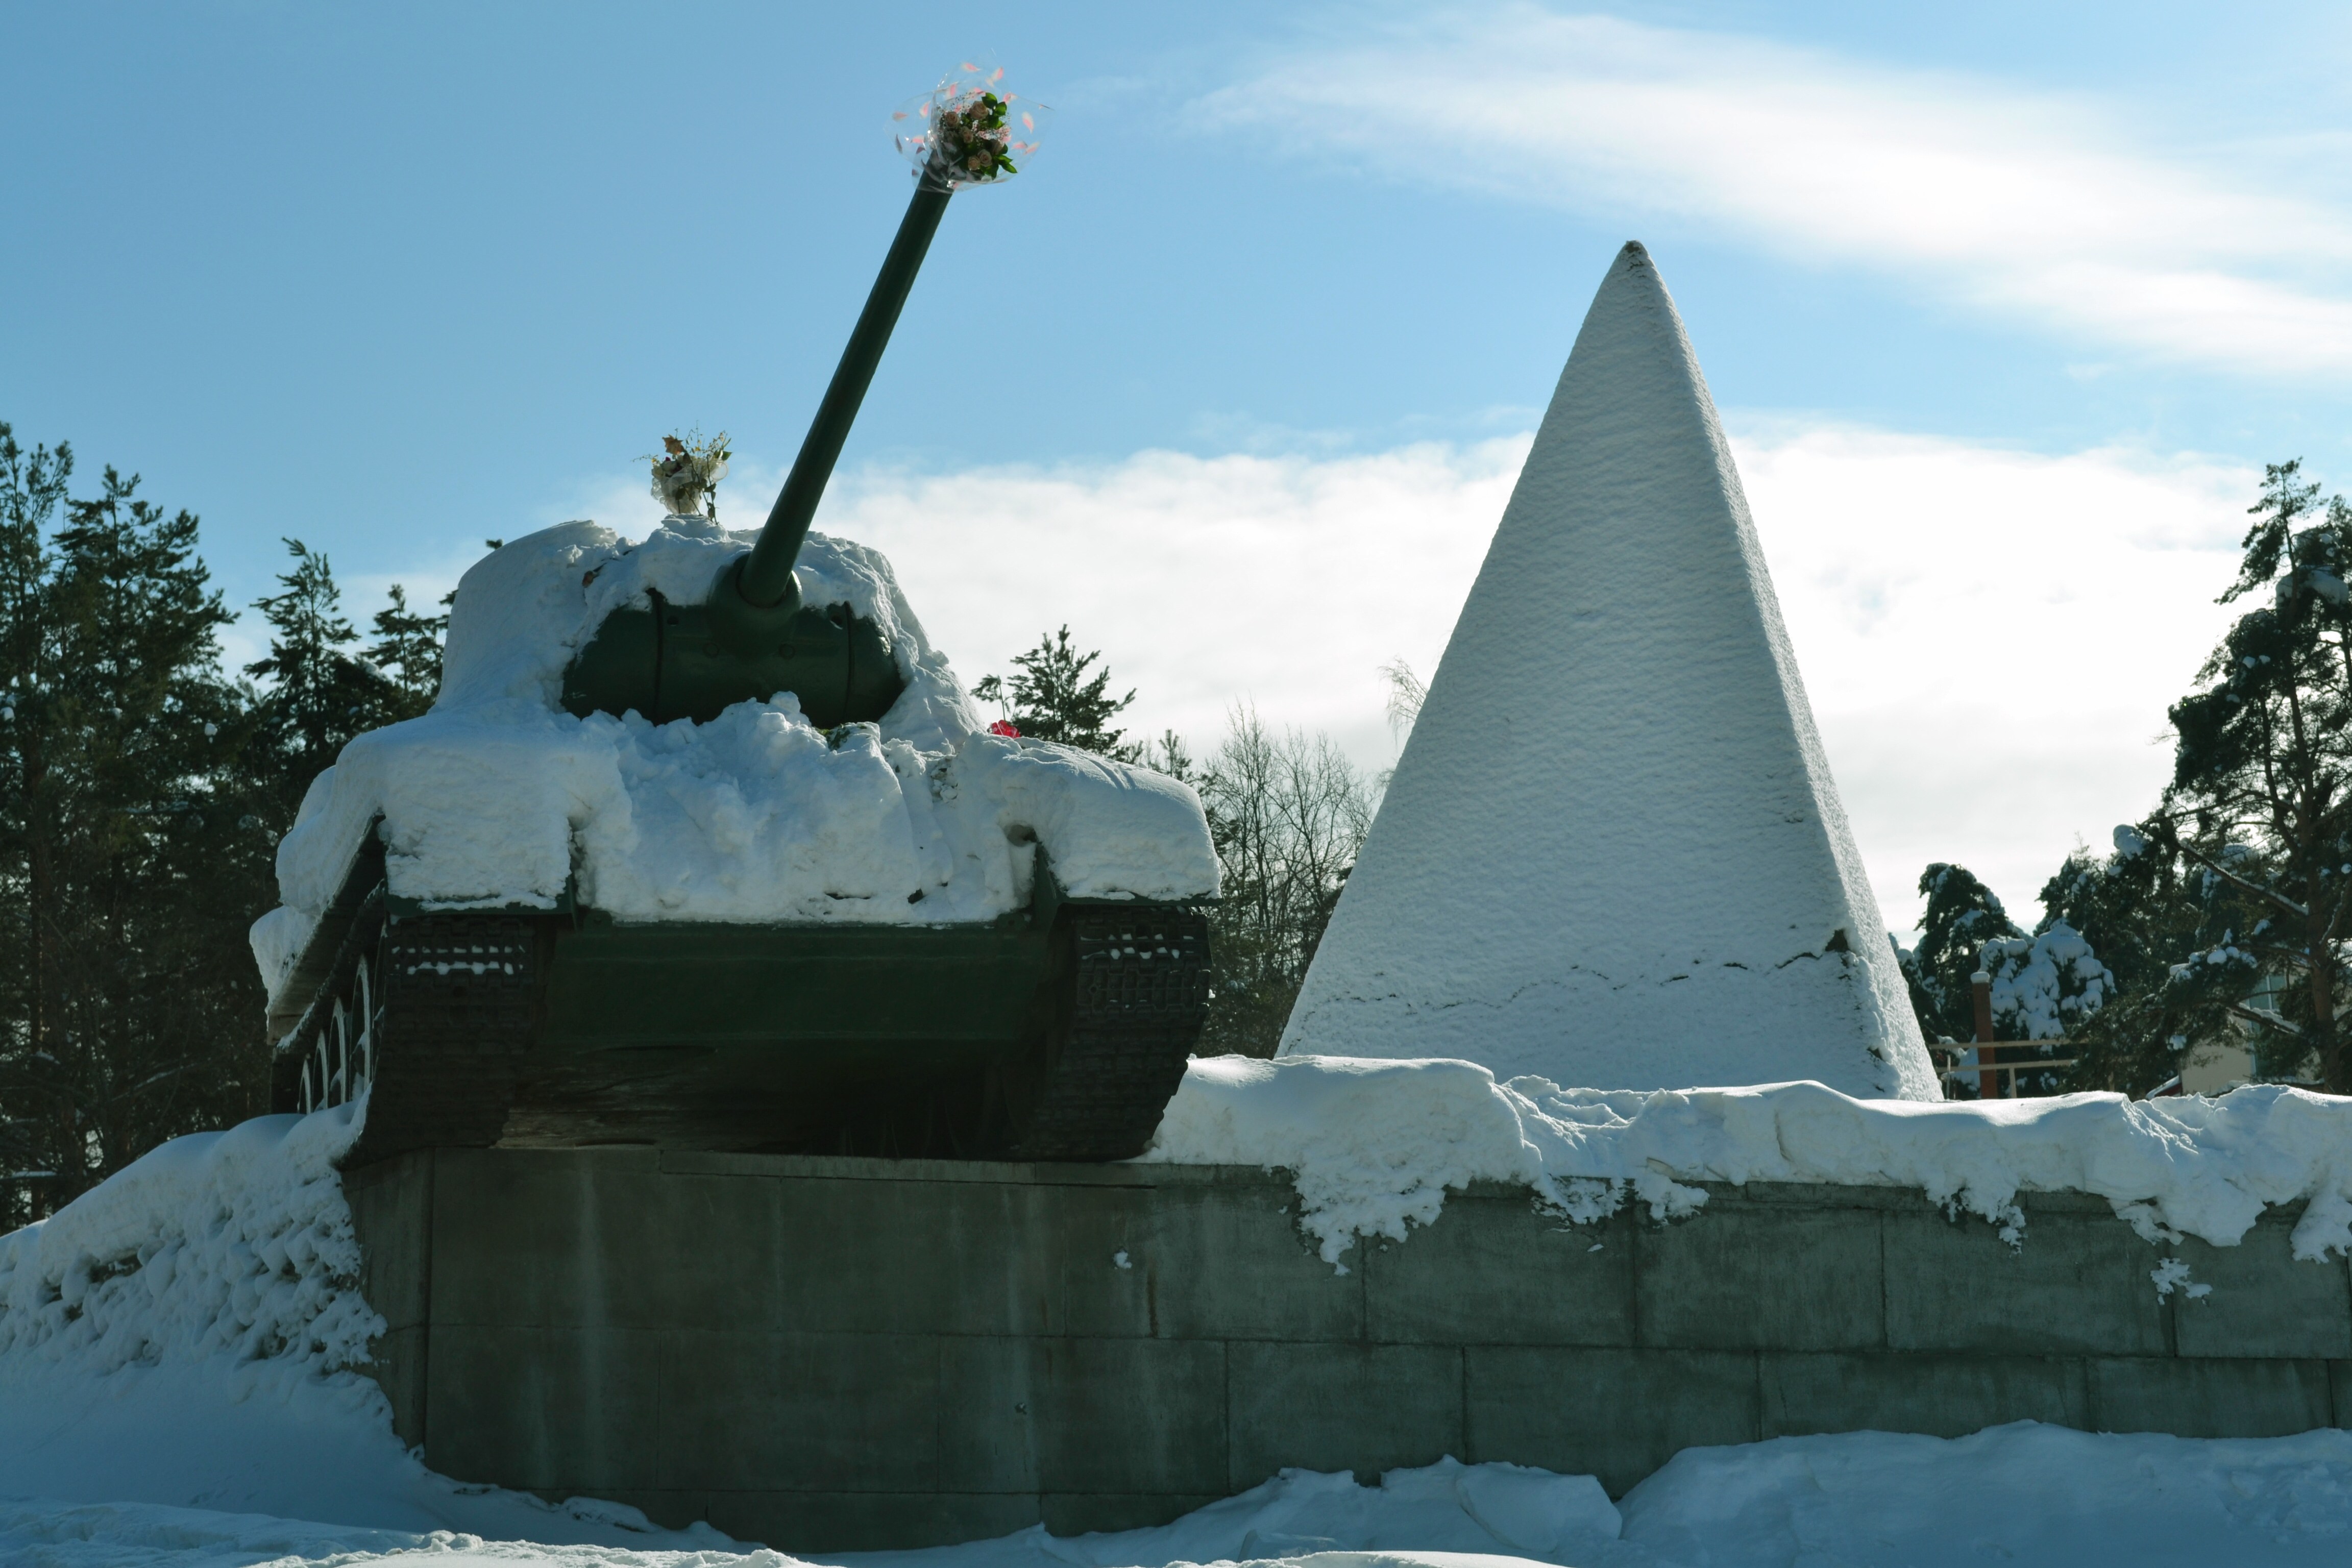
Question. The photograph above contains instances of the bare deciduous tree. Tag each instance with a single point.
(1288, 813)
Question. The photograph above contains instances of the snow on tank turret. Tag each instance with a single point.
(702, 845)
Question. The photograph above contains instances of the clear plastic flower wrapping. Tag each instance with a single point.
(968, 131)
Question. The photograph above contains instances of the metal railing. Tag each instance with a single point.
(342, 1061)
(1987, 1071)
(1988, 1068)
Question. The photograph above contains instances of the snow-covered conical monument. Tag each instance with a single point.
(1612, 853)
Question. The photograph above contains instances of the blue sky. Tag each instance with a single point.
(2032, 292)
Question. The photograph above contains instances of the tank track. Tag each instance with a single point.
(460, 996)
(457, 1001)
(1135, 1012)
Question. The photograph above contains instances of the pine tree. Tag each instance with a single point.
(1053, 699)
(321, 694)
(1962, 915)
(2261, 798)
(128, 848)
(407, 650)
(32, 489)
(2164, 928)
(141, 790)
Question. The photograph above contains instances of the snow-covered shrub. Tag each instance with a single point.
(2044, 984)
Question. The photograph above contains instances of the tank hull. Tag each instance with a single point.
(1059, 1032)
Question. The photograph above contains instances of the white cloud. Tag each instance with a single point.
(2029, 203)
(1990, 638)
(1284, 581)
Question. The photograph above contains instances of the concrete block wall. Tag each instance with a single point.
(833, 1353)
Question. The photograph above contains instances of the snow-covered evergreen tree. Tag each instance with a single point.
(2261, 798)
(2180, 943)
(2045, 984)
(1962, 915)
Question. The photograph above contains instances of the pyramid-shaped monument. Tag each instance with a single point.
(1612, 853)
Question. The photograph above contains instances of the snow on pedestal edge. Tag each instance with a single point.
(1374, 1145)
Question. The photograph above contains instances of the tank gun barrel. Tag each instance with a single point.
(766, 577)
(749, 638)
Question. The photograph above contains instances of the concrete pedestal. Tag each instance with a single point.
(832, 1353)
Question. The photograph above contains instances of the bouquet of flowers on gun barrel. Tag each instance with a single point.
(968, 131)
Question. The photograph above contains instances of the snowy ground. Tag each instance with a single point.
(2028, 1495)
(177, 1349)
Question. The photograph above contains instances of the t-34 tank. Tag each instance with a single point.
(703, 846)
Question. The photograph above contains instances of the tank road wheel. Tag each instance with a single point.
(1131, 991)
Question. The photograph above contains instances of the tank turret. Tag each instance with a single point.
(754, 635)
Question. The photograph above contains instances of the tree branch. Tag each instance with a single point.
(2267, 1020)
(2336, 921)
(2246, 884)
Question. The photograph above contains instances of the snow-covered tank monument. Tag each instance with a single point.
(631, 994)
(703, 846)
(1613, 855)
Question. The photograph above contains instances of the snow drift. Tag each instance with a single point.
(231, 1246)
(1490, 1510)
(2059, 1498)
(497, 797)
(186, 1333)
(1613, 853)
